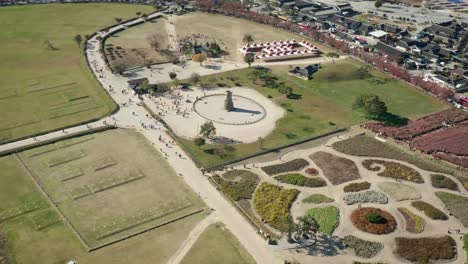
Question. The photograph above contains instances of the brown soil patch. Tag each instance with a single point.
(337, 169)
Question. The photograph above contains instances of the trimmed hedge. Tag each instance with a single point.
(236, 190)
(429, 210)
(293, 165)
(300, 180)
(272, 203)
(444, 182)
(363, 248)
(357, 187)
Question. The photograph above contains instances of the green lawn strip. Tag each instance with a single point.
(44, 218)
(42, 78)
(300, 180)
(456, 204)
(327, 218)
(429, 210)
(272, 203)
(317, 198)
(217, 243)
(325, 105)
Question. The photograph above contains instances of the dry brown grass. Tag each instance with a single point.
(426, 249)
(337, 169)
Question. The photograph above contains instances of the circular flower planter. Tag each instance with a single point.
(361, 222)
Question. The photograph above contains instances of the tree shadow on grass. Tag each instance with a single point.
(390, 119)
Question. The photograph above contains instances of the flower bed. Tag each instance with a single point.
(360, 218)
(393, 170)
(426, 249)
(357, 187)
(300, 180)
(363, 248)
(441, 181)
(327, 218)
(293, 165)
(317, 199)
(414, 223)
(237, 190)
(312, 171)
(456, 205)
(337, 169)
(272, 203)
(241, 175)
(399, 191)
(429, 210)
(365, 197)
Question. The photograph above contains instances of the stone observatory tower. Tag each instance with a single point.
(228, 104)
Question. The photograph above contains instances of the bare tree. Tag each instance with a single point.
(153, 41)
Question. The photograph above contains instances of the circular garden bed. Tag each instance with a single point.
(373, 220)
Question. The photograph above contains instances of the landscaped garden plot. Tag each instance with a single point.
(292, 165)
(393, 170)
(327, 218)
(337, 169)
(456, 204)
(399, 191)
(429, 210)
(272, 203)
(300, 180)
(241, 175)
(47, 74)
(237, 190)
(131, 47)
(443, 182)
(357, 186)
(325, 104)
(217, 243)
(363, 248)
(426, 249)
(413, 223)
(139, 191)
(317, 199)
(366, 146)
(373, 220)
(365, 197)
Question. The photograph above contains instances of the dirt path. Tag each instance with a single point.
(173, 40)
(192, 238)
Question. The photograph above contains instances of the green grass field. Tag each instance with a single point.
(110, 185)
(217, 244)
(38, 234)
(44, 89)
(325, 104)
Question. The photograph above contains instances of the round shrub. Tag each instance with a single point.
(375, 218)
(312, 171)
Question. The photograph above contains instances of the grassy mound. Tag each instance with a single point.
(241, 175)
(399, 191)
(393, 170)
(426, 249)
(357, 187)
(326, 217)
(429, 210)
(337, 169)
(456, 204)
(317, 199)
(443, 182)
(301, 180)
(272, 203)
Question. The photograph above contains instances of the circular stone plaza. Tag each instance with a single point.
(251, 116)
